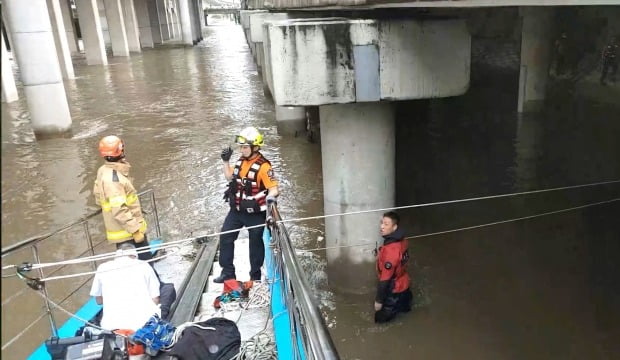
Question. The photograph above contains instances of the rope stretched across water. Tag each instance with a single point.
(189, 240)
(474, 226)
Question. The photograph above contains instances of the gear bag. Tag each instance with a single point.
(213, 339)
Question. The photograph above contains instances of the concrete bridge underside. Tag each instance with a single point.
(353, 59)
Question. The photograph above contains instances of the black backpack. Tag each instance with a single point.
(195, 343)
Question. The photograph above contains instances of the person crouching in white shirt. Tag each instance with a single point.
(128, 289)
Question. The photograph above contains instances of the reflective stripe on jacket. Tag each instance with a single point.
(114, 192)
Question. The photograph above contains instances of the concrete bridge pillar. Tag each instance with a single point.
(196, 16)
(163, 19)
(104, 24)
(116, 27)
(172, 13)
(358, 142)
(131, 26)
(60, 39)
(67, 18)
(153, 13)
(92, 34)
(144, 23)
(352, 69)
(9, 90)
(186, 22)
(536, 42)
(38, 64)
(291, 120)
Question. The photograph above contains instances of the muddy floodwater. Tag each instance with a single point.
(539, 288)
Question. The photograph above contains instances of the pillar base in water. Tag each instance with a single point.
(291, 120)
(358, 150)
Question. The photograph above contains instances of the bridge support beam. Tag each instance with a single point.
(67, 18)
(60, 39)
(186, 22)
(196, 24)
(131, 26)
(352, 69)
(154, 19)
(358, 175)
(116, 27)
(38, 64)
(172, 13)
(92, 34)
(535, 57)
(144, 23)
(163, 20)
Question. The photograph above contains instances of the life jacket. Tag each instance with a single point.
(246, 194)
(395, 271)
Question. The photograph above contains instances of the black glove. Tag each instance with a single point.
(226, 154)
(271, 199)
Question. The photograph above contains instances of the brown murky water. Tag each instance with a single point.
(544, 288)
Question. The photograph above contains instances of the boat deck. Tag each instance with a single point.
(252, 314)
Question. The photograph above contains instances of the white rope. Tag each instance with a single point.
(141, 250)
(472, 227)
(59, 277)
(259, 347)
(447, 202)
(188, 240)
(260, 296)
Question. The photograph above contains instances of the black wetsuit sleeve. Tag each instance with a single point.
(383, 290)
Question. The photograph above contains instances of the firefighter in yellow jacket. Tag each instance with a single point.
(114, 192)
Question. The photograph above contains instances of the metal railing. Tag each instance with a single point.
(306, 322)
(36, 241)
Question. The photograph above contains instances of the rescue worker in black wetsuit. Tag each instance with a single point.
(252, 186)
(393, 290)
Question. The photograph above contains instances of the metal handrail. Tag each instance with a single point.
(302, 307)
(35, 240)
(38, 238)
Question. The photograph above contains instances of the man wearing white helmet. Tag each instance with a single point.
(252, 186)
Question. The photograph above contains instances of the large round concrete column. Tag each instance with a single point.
(357, 143)
(291, 120)
(38, 64)
(9, 90)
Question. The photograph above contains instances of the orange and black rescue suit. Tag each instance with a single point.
(393, 288)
